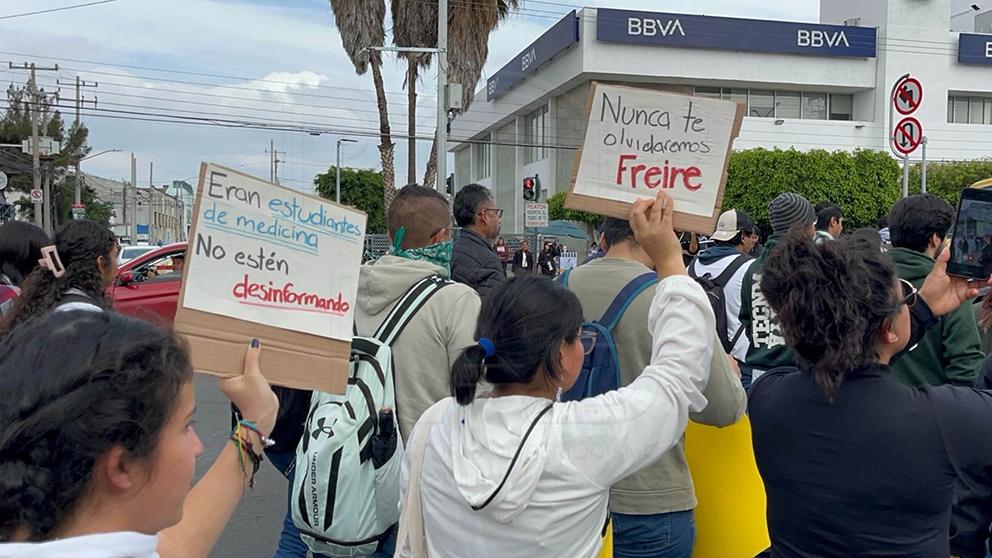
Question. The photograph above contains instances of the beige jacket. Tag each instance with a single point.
(434, 338)
(666, 485)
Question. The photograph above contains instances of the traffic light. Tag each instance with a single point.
(532, 188)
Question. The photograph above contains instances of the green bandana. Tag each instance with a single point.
(438, 254)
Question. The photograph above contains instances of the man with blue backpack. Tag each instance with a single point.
(652, 509)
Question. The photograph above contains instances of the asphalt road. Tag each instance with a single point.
(254, 529)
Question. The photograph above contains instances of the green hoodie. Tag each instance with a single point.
(766, 344)
(950, 353)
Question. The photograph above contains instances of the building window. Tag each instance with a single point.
(815, 106)
(787, 104)
(711, 92)
(536, 135)
(765, 103)
(762, 104)
(841, 107)
(976, 108)
(482, 153)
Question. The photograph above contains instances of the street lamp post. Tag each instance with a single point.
(337, 170)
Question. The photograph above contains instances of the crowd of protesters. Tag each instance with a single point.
(857, 359)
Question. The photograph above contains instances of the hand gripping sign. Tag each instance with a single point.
(269, 262)
(640, 139)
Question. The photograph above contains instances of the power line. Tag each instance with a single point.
(12, 16)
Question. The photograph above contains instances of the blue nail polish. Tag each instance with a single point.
(255, 344)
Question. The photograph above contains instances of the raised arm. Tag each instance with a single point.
(211, 502)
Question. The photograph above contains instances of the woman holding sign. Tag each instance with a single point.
(98, 451)
(517, 473)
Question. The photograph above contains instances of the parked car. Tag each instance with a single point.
(147, 286)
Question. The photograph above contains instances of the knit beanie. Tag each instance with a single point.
(788, 210)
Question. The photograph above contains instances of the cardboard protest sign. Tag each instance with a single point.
(269, 262)
(642, 139)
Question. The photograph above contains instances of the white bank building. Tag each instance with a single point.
(806, 85)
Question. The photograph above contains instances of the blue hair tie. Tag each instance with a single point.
(487, 346)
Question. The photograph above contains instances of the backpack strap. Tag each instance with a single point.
(407, 307)
(635, 287)
(724, 278)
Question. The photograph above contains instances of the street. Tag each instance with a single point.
(254, 528)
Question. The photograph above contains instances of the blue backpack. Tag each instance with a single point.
(601, 368)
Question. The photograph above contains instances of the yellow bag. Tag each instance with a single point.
(607, 550)
(730, 517)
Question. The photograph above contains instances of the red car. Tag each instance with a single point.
(147, 287)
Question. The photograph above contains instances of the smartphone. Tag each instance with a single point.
(971, 244)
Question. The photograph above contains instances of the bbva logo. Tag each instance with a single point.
(654, 27)
(816, 38)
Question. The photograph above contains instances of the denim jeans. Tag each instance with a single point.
(290, 544)
(665, 535)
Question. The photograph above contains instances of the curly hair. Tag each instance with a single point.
(79, 244)
(113, 382)
(831, 300)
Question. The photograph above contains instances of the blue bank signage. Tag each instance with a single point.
(726, 33)
(562, 35)
(974, 49)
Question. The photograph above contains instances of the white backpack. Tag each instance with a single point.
(342, 505)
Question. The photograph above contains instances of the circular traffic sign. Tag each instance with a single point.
(908, 95)
(3, 181)
(37, 195)
(907, 135)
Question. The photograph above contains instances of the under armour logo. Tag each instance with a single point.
(321, 429)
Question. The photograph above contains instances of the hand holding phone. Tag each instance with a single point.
(971, 244)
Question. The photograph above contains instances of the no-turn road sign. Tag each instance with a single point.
(37, 195)
(908, 96)
(907, 135)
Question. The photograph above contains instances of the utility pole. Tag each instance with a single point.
(152, 221)
(80, 101)
(274, 161)
(40, 207)
(133, 227)
(442, 90)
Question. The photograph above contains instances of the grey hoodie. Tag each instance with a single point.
(434, 338)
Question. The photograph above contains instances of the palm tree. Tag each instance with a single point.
(469, 24)
(414, 25)
(361, 25)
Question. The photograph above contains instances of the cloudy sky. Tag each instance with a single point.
(278, 62)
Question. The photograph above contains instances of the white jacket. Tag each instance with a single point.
(122, 544)
(555, 500)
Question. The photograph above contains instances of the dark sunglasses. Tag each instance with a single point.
(909, 294)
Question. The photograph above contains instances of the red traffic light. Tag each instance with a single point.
(532, 188)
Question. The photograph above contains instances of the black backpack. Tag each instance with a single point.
(713, 287)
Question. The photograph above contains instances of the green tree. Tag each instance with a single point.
(864, 183)
(558, 212)
(947, 179)
(360, 188)
(15, 127)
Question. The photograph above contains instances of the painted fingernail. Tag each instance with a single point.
(255, 344)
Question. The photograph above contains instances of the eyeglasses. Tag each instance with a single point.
(588, 339)
(499, 212)
(909, 294)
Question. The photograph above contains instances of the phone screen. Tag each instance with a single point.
(971, 245)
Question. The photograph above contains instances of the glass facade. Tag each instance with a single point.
(766, 103)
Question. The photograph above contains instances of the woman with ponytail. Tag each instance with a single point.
(73, 275)
(515, 473)
(854, 462)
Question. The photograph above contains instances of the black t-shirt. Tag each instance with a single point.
(871, 473)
